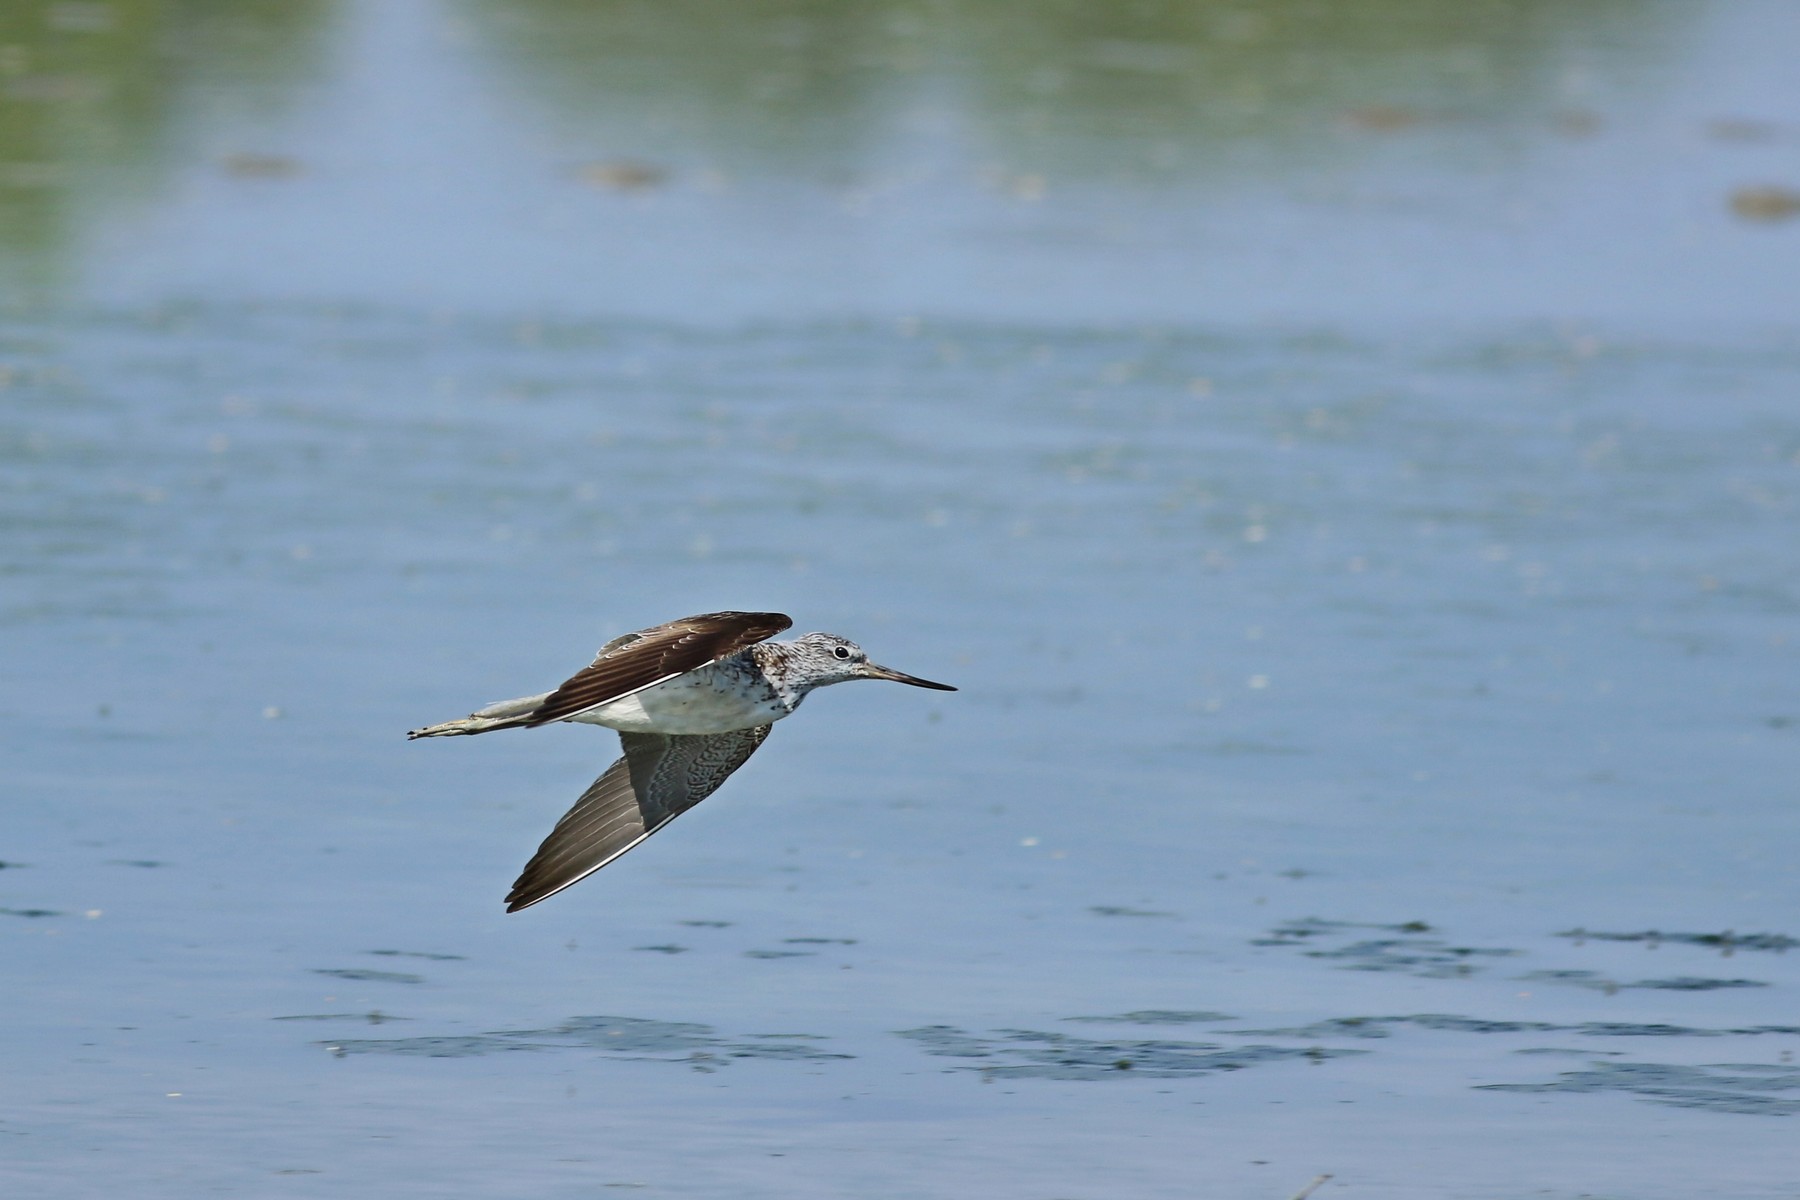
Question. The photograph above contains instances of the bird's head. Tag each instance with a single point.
(829, 658)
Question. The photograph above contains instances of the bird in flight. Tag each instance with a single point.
(691, 701)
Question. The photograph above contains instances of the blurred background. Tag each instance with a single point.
(1348, 455)
(703, 162)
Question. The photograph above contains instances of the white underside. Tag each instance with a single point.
(691, 703)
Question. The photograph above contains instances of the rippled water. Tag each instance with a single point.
(1376, 748)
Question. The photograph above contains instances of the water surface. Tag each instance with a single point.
(1349, 463)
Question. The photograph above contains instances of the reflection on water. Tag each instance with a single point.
(1738, 1088)
(1513, 610)
(1198, 381)
(1726, 943)
(696, 1045)
(134, 110)
(1025, 1054)
(1126, 92)
(96, 96)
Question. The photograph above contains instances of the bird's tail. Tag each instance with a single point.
(507, 714)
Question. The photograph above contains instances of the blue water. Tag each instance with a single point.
(1358, 512)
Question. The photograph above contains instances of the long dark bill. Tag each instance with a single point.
(875, 672)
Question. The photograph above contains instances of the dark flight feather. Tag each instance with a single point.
(660, 777)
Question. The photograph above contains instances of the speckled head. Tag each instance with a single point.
(817, 659)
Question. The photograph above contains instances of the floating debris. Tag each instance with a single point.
(1766, 202)
(622, 175)
(251, 165)
(1383, 118)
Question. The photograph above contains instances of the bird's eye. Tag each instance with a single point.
(841, 651)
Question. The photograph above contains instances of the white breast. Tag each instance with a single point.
(704, 701)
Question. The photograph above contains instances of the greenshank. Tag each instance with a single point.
(691, 701)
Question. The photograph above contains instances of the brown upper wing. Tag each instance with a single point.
(636, 661)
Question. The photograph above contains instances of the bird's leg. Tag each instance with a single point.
(500, 715)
